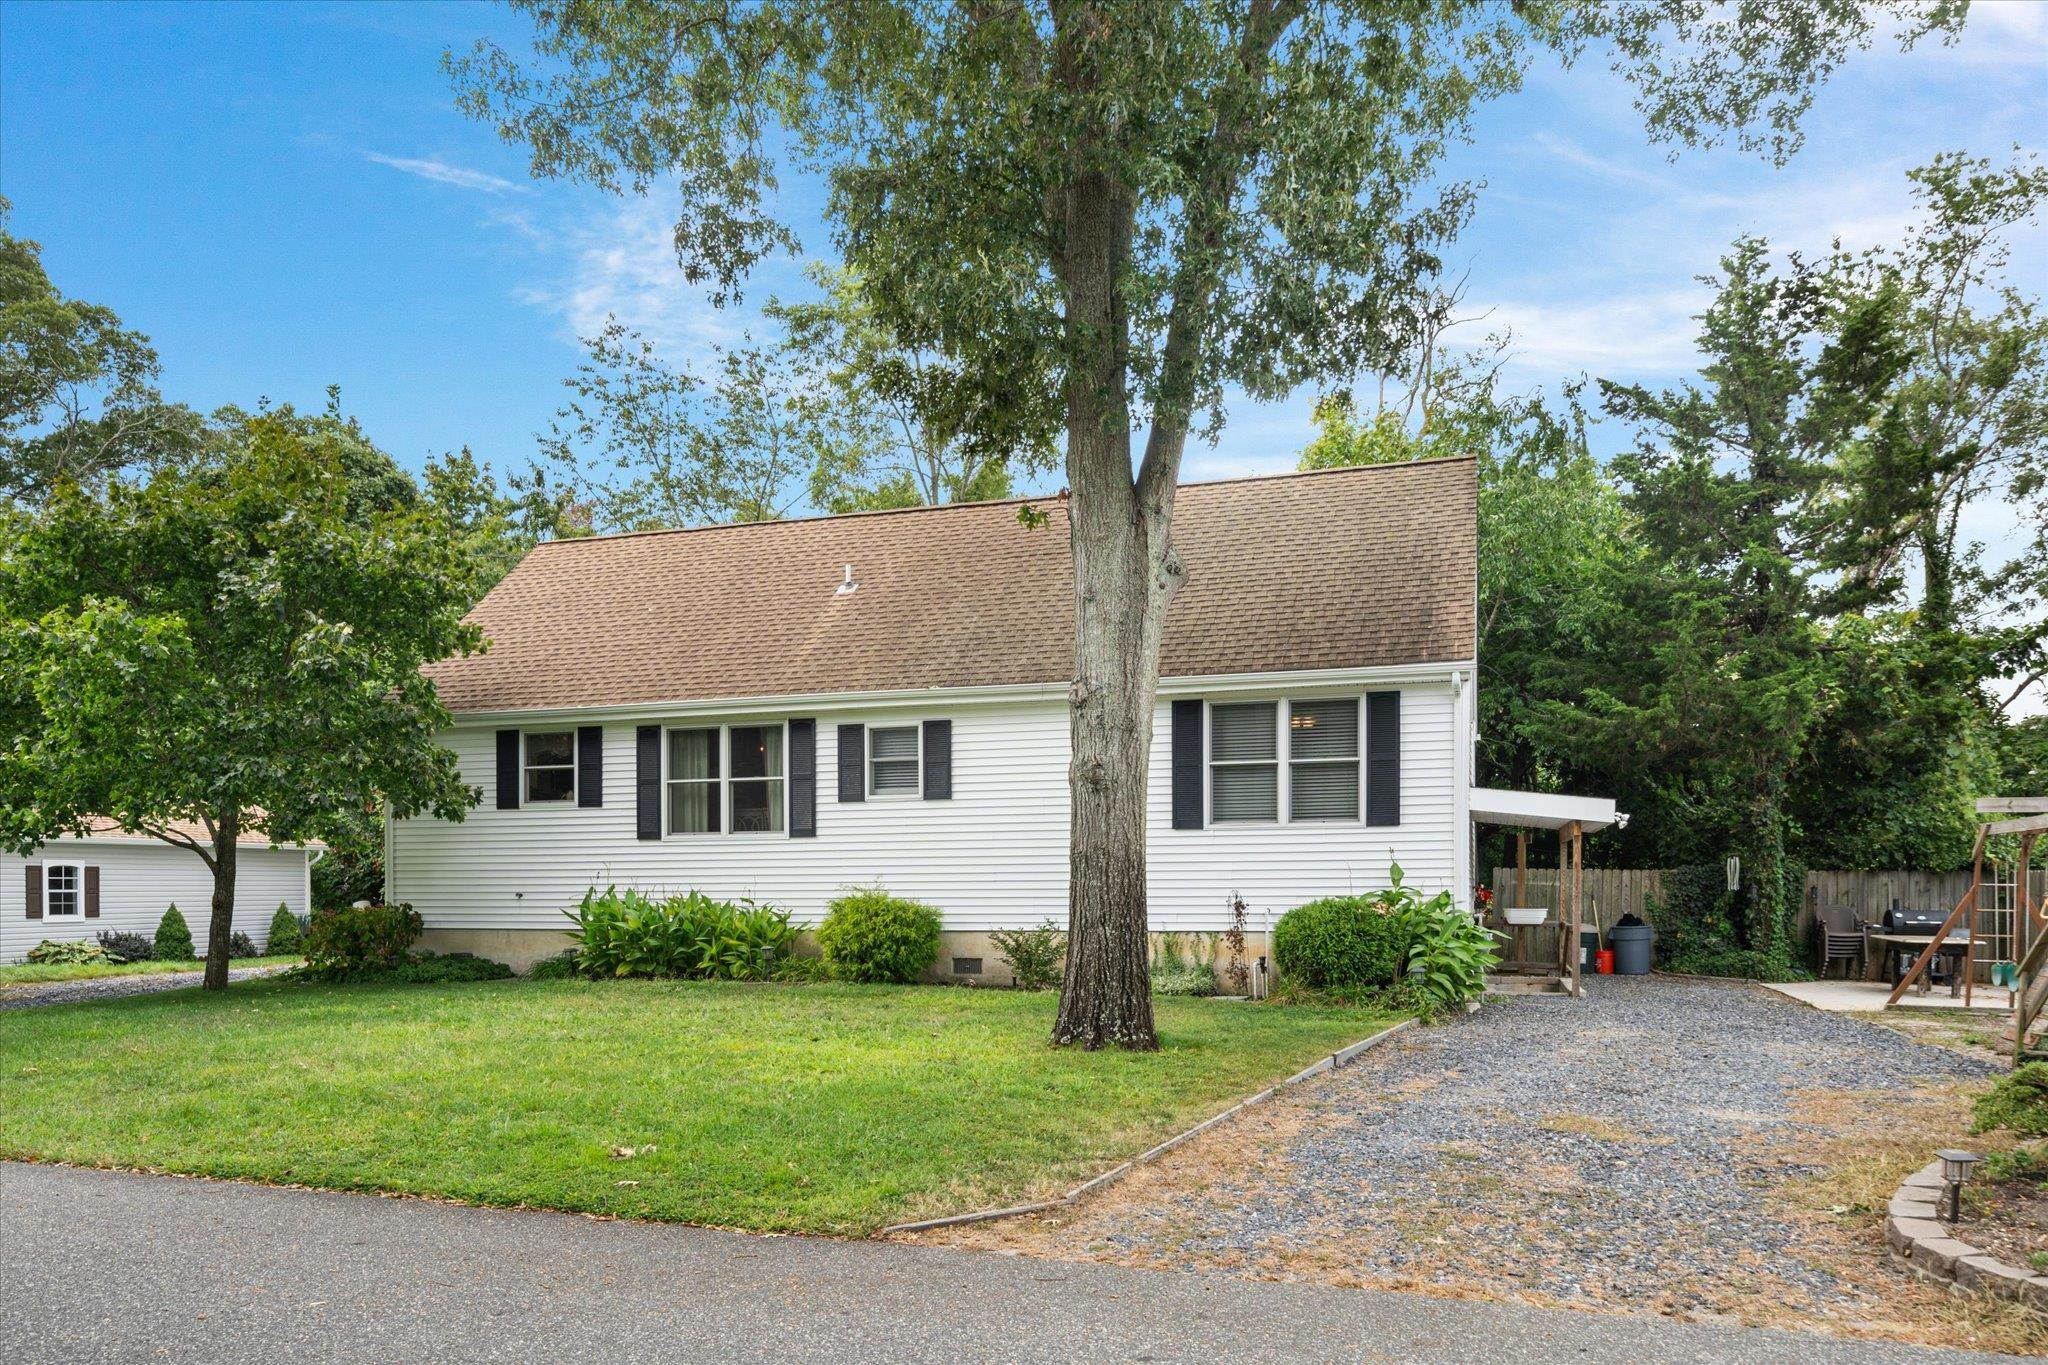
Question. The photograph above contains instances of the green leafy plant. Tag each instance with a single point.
(124, 946)
(561, 967)
(628, 933)
(1449, 954)
(1199, 979)
(51, 951)
(2019, 1102)
(437, 968)
(241, 945)
(173, 937)
(798, 967)
(286, 932)
(870, 935)
(1035, 955)
(1396, 940)
(340, 944)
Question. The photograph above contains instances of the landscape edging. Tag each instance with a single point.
(1924, 1244)
(1342, 1057)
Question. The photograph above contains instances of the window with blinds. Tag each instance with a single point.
(1322, 759)
(892, 760)
(1244, 762)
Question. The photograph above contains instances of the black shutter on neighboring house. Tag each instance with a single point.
(803, 779)
(35, 890)
(1187, 765)
(647, 781)
(853, 763)
(508, 770)
(590, 765)
(938, 760)
(92, 893)
(1383, 758)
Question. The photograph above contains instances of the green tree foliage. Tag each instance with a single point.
(78, 398)
(1144, 203)
(232, 645)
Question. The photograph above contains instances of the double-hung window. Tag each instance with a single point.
(726, 778)
(893, 752)
(63, 890)
(549, 766)
(1322, 759)
(1244, 765)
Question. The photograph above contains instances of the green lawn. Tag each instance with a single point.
(35, 973)
(815, 1108)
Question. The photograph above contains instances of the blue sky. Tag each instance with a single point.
(283, 197)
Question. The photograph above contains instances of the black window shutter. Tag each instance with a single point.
(1383, 758)
(938, 760)
(34, 901)
(508, 770)
(803, 779)
(647, 781)
(853, 763)
(590, 765)
(1187, 765)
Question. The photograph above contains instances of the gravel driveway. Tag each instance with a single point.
(113, 987)
(1619, 1151)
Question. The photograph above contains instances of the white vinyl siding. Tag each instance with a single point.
(138, 879)
(995, 856)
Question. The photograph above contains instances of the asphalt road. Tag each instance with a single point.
(100, 1266)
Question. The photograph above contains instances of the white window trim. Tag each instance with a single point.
(1283, 711)
(916, 792)
(723, 782)
(78, 891)
(1357, 760)
(1278, 761)
(526, 767)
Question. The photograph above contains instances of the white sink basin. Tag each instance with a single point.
(1525, 914)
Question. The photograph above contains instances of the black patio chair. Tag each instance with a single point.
(1841, 939)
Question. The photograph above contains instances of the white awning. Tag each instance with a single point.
(1540, 810)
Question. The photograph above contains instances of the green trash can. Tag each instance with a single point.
(1631, 945)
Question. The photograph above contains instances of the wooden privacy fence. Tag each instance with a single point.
(1612, 892)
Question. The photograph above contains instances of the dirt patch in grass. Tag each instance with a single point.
(2008, 1219)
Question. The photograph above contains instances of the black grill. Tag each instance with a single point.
(1919, 922)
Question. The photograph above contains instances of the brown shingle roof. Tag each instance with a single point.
(1346, 568)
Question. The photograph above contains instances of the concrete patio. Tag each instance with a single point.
(1853, 997)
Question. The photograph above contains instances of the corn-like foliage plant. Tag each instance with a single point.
(629, 933)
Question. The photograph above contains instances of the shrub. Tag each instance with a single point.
(797, 967)
(1199, 979)
(628, 933)
(241, 945)
(1341, 943)
(870, 935)
(1699, 929)
(51, 951)
(1034, 955)
(339, 944)
(127, 947)
(285, 931)
(436, 968)
(1449, 954)
(2019, 1101)
(173, 938)
(561, 967)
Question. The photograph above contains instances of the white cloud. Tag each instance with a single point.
(442, 172)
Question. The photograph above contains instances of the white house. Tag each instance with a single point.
(75, 888)
(782, 710)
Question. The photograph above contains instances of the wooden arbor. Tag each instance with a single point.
(1573, 817)
(2028, 819)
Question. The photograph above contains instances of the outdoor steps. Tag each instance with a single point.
(1524, 985)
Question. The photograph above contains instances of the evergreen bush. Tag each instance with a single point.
(173, 937)
(286, 934)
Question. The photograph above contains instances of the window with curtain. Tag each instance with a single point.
(694, 799)
(1322, 759)
(893, 760)
(1244, 762)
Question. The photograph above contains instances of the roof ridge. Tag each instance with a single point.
(1019, 501)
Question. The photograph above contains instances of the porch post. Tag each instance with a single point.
(1521, 867)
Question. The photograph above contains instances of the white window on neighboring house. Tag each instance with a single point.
(63, 890)
(1244, 762)
(893, 760)
(1322, 759)
(550, 764)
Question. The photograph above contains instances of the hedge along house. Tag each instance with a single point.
(74, 888)
(783, 710)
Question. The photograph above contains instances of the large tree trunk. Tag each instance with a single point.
(220, 925)
(1120, 594)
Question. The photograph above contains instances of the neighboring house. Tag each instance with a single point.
(76, 888)
(786, 709)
